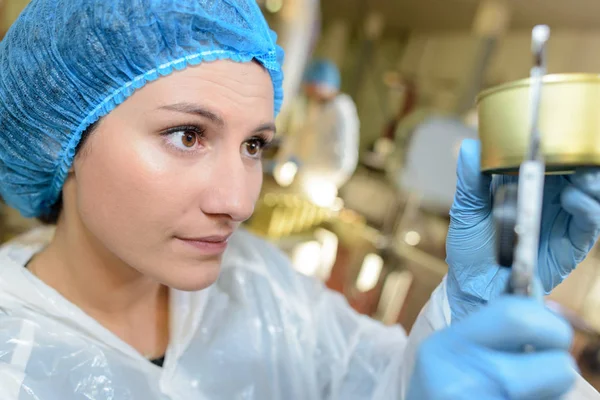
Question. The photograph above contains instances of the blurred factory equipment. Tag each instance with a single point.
(427, 140)
(430, 151)
(406, 185)
(374, 25)
(334, 41)
(297, 23)
(279, 214)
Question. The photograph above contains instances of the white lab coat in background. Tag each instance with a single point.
(261, 332)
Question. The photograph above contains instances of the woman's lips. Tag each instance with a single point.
(209, 245)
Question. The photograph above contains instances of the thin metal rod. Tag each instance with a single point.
(539, 38)
(531, 181)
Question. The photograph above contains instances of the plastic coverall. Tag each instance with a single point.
(261, 332)
(324, 138)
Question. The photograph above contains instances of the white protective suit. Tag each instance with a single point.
(260, 332)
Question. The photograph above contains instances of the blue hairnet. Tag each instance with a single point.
(323, 72)
(66, 63)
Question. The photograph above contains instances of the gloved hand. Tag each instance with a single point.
(570, 227)
(482, 356)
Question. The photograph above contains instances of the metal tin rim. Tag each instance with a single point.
(548, 79)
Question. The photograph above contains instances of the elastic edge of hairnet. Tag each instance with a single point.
(125, 91)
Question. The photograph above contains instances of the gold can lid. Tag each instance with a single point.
(547, 79)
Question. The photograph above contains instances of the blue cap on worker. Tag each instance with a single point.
(66, 63)
(323, 72)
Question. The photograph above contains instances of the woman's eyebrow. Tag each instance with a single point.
(195, 109)
(266, 127)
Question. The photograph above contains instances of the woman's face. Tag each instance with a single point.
(173, 171)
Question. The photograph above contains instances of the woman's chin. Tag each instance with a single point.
(193, 279)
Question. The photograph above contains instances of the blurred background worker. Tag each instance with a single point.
(321, 133)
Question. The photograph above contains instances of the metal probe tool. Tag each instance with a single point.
(518, 207)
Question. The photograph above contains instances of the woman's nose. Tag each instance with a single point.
(234, 189)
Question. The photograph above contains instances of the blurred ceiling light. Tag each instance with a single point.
(274, 6)
(329, 247)
(285, 173)
(321, 192)
(369, 272)
(306, 258)
(412, 238)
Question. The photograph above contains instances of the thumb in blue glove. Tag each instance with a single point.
(570, 227)
(482, 356)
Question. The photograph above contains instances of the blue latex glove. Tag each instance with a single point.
(481, 357)
(570, 227)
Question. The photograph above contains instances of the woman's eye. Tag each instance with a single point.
(254, 147)
(183, 139)
(189, 139)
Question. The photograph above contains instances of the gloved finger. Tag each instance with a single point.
(585, 211)
(472, 200)
(511, 322)
(534, 376)
(588, 180)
